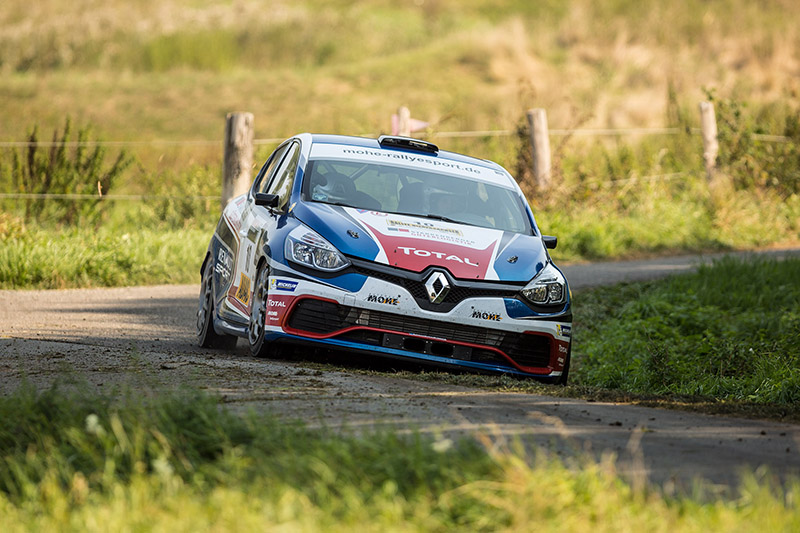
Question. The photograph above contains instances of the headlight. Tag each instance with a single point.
(306, 247)
(548, 287)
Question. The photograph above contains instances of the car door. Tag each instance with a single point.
(257, 222)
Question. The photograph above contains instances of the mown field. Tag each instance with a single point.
(159, 77)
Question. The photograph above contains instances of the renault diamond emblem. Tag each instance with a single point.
(437, 287)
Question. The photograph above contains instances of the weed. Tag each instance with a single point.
(67, 168)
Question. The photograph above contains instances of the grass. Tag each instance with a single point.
(729, 332)
(344, 67)
(164, 240)
(44, 259)
(461, 65)
(75, 461)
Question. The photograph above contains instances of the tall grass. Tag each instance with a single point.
(57, 259)
(75, 461)
(729, 332)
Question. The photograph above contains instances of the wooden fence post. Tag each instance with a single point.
(540, 147)
(404, 116)
(238, 158)
(708, 123)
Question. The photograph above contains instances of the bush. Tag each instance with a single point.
(66, 168)
(750, 160)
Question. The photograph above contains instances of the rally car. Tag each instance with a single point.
(389, 247)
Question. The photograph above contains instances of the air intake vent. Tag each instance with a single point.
(408, 143)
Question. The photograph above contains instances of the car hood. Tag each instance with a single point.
(415, 243)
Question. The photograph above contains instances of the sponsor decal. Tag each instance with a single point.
(563, 331)
(373, 213)
(411, 251)
(277, 305)
(399, 225)
(483, 315)
(381, 299)
(562, 348)
(406, 160)
(282, 285)
(224, 265)
(243, 292)
(249, 252)
(408, 250)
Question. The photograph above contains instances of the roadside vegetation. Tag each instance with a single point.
(72, 461)
(79, 71)
(156, 231)
(729, 332)
(722, 340)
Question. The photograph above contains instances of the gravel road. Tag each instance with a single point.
(143, 338)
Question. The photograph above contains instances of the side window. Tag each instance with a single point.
(266, 172)
(281, 183)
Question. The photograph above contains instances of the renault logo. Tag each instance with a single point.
(437, 287)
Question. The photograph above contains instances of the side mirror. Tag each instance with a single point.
(550, 241)
(267, 200)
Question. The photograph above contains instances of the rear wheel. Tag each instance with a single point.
(207, 337)
(258, 315)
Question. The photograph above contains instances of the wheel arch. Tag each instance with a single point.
(205, 262)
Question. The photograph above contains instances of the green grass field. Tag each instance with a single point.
(160, 75)
(71, 461)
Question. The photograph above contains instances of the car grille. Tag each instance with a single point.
(325, 317)
(414, 283)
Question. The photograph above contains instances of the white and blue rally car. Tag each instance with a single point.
(389, 247)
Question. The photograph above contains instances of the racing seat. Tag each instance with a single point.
(341, 188)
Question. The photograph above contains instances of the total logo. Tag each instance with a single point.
(277, 303)
(407, 250)
(486, 316)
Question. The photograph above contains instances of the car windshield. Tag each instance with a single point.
(421, 193)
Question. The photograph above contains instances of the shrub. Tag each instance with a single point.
(66, 168)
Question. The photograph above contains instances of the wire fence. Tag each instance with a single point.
(75, 196)
(600, 132)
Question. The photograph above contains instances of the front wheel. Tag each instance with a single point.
(207, 337)
(258, 314)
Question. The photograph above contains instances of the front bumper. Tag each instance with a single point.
(384, 319)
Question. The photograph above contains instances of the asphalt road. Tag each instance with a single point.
(143, 338)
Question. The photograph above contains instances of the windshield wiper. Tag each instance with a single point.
(340, 204)
(442, 218)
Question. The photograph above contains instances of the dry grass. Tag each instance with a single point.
(455, 63)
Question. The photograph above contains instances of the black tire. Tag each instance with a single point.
(258, 315)
(207, 337)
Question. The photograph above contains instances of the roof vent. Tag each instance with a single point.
(407, 143)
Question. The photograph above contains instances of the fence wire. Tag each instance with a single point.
(618, 132)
